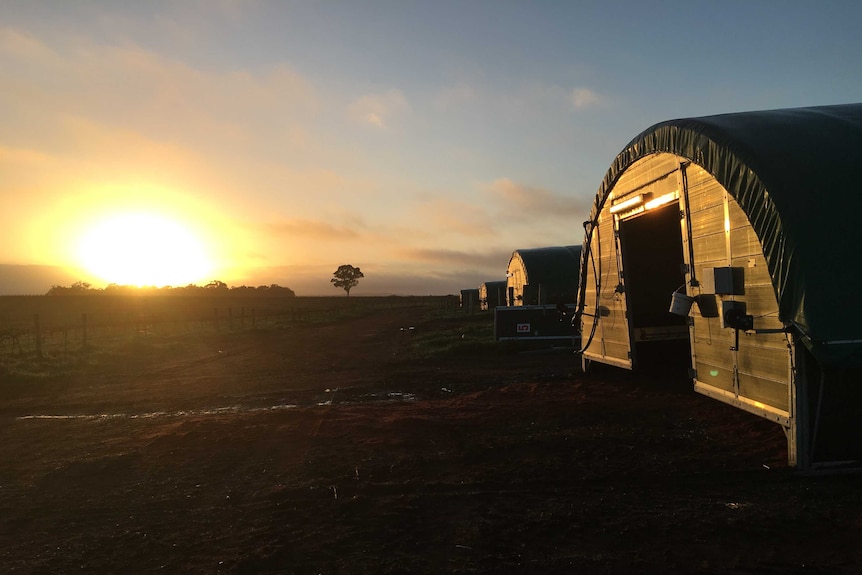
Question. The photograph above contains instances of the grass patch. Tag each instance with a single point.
(459, 334)
(456, 334)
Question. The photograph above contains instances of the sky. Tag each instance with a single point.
(263, 141)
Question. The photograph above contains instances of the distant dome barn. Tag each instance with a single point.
(542, 276)
(492, 294)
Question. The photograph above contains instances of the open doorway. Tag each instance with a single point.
(652, 256)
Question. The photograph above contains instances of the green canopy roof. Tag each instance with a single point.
(796, 175)
(557, 265)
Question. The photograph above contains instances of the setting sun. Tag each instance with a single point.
(143, 249)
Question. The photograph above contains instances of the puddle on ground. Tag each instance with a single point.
(165, 414)
(392, 396)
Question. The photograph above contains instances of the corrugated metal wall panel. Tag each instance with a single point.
(762, 360)
(611, 340)
(718, 354)
(710, 251)
(765, 391)
(708, 220)
(718, 376)
(765, 362)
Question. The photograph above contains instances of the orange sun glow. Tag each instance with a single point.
(141, 249)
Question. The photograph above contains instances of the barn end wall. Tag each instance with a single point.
(752, 371)
(605, 309)
(516, 278)
(492, 294)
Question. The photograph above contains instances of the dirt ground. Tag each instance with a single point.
(335, 449)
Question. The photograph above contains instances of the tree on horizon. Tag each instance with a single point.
(346, 277)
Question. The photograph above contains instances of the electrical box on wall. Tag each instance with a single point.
(733, 316)
(707, 304)
(723, 281)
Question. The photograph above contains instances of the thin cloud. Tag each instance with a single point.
(17, 44)
(130, 87)
(312, 229)
(24, 158)
(379, 110)
(455, 96)
(449, 216)
(519, 202)
(586, 98)
(456, 257)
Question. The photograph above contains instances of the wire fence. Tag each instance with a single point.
(39, 327)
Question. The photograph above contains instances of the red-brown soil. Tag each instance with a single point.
(336, 449)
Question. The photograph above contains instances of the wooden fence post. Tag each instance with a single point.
(37, 328)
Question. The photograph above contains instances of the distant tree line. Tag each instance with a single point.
(84, 288)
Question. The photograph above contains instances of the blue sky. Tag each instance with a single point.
(421, 141)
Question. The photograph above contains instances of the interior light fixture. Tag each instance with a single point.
(628, 204)
(661, 200)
